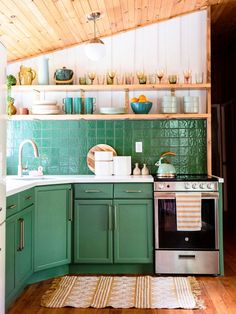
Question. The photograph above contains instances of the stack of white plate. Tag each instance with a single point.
(169, 104)
(109, 110)
(191, 104)
(45, 107)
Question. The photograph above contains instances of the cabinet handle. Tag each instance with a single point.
(28, 197)
(186, 256)
(11, 206)
(71, 205)
(115, 218)
(22, 234)
(92, 191)
(109, 218)
(133, 191)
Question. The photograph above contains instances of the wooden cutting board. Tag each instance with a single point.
(98, 148)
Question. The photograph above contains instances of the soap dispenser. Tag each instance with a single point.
(136, 170)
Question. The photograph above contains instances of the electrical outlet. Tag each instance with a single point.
(138, 147)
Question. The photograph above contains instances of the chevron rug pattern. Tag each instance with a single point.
(143, 292)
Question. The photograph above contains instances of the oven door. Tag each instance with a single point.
(166, 234)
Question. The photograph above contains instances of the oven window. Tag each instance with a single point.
(169, 237)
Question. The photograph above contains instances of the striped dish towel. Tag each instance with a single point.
(188, 211)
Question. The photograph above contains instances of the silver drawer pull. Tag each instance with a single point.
(22, 234)
(92, 191)
(186, 256)
(28, 197)
(11, 206)
(133, 191)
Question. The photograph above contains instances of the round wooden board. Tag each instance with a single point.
(98, 148)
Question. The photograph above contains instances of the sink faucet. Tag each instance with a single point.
(36, 154)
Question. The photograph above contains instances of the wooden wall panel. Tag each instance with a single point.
(174, 45)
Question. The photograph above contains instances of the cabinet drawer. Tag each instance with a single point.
(13, 205)
(133, 190)
(26, 198)
(93, 191)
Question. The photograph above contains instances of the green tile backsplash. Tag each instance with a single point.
(63, 145)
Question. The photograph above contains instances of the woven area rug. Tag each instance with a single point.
(123, 292)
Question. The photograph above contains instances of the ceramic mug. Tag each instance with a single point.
(68, 105)
(89, 105)
(78, 105)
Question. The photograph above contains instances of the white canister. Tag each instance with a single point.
(122, 165)
(105, 156)
(103, 168)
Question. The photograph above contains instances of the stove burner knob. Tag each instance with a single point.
(186, 239)
(210, 186)
(194, 186)
(161, 186)
(187, 186)
(202, 186)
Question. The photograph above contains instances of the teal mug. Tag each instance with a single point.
(68, 105)
(89, 105)
(78, 105)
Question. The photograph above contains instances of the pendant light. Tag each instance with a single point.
(95, 48)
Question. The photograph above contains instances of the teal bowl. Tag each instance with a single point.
(141, 107)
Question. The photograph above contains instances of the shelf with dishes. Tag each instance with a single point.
(112, 117)
(138, 87)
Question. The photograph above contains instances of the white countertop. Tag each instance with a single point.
(15, 185)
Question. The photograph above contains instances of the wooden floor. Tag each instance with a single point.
(219, 293)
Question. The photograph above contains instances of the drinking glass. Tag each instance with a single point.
(187, 76)
(110, 77)
(199, 77)
(160, 75)
(91, 76)
(142, 78)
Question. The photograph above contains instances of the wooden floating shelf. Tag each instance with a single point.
(112, 117)
(138, 87)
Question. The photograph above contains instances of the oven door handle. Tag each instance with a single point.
(165, 195)
(186, 256)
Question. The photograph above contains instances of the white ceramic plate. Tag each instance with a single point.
(44, 102)
(48, 111)
(45, 107)
(108, 110)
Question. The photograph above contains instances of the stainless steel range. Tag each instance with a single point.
(186, 225)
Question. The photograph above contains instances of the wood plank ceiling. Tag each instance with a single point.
(33, 27)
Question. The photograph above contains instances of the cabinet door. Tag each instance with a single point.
(133, 231)
(93, 231)
(10, 255)
(24, 242)
(53, 215)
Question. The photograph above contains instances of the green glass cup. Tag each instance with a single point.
(68, 105)
(77, 105)
(89, 105)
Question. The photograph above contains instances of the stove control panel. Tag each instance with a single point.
(186, 186)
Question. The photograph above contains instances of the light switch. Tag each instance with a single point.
(138, 147)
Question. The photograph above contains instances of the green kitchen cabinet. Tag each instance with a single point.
(53, 217)
(118, 229)
(133, 235)
(93, 236)
(19, 245)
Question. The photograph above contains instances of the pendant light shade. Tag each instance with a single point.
(95, 48)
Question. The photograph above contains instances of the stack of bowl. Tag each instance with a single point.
(45, 107)
(169, 104)
(191, 104)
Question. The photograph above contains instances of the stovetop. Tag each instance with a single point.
(187, 177)
(186, 183)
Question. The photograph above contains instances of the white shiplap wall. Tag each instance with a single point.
(174, 45)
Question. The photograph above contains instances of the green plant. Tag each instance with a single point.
(10, 81)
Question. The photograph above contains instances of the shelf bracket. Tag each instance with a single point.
(82, 93)
(126, 100)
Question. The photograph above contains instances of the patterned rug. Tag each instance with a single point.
(123, 292)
